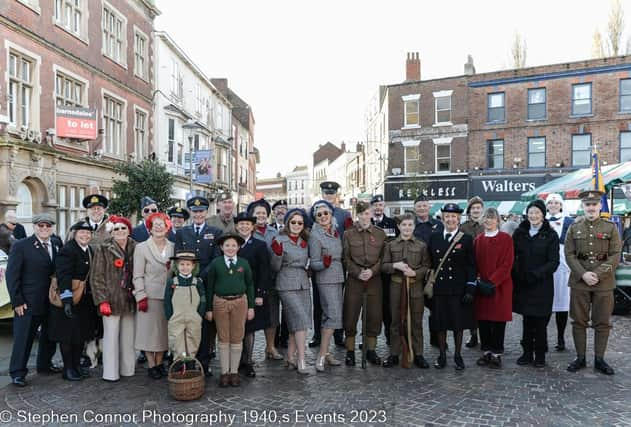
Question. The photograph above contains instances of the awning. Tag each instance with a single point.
(620, 207)
(570, 185)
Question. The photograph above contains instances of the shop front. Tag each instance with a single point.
(401, 191)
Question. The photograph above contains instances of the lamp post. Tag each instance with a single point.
(190, 125)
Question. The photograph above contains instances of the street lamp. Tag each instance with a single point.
(190, 125)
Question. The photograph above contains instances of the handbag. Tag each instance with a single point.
(485, 288)
(431, 274)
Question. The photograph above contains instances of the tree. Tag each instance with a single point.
(615, 28)
(598, 50)
(148, 178)
(518, 51)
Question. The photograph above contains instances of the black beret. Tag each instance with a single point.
(376, 198)
(451, 208)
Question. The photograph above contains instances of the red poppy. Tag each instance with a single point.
(168, 265)
(459, 245)
(119, 263)
(303, 244)
(336, 234)
(240, 270)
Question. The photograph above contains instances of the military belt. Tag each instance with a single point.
(597, 257)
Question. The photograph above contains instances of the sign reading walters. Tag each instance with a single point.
(504, 188)
(75, 122)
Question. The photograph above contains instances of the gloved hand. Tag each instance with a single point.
(277, 247)
(105, 309)
(469, 291)
(143, 305)
(68, 309)
(326, 260)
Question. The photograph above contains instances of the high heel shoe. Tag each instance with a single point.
(291, 363)
(302, 367)
(320, 364)
(273, 355)
(331, 361)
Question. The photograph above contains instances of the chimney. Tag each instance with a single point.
(469, 68)
(343, 147)
(412, 67)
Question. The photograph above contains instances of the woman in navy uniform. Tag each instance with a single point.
(455, 284)
(73, 324)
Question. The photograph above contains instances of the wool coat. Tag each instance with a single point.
(494, 261)
(112, 271)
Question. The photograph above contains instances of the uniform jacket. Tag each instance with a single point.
(323, 243)
(203, 245)
(28, 273)
(494, 261)
(415, 254)
(472, 228)
(458, 269)
(423, 230)
(150, 270)
(257, 254)
(291, 267)
(592, 246)
(225, 227)
(536, 260)
(110, 283)
(72, 263)
(388, 225)
(363, 249)
(223, 281)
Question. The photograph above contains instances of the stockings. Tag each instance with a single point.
(561, 320)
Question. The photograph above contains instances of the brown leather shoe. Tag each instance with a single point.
(235, 380)
(224, 380)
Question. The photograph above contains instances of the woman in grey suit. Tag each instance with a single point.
(151, 262)
(325, 251)
(290, 259)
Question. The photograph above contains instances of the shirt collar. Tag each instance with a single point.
(188, 276)
(227, 259)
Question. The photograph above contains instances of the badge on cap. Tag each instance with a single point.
(197, 202)
(94, 199)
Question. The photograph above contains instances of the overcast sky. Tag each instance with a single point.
(309, 68)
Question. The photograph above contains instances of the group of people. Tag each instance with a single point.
(196, 290)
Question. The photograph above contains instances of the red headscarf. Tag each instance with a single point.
(160, 215)
(115, 219)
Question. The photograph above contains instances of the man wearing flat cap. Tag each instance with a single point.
(148, 206)
(592, 251)
(425, 225)
(28, 275)
(200, 238)
(225, 219)
(96, 205)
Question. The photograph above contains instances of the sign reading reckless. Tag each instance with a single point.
(75, 122)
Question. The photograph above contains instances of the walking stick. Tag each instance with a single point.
(409, 319)
(403, 322)
(364, 320)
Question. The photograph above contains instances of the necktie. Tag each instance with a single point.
(47, 250)
(197, 230)
(231, 263)
(447, 237)
(554, 218)
(95, 226)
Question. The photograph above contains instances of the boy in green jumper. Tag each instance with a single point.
(184, 305)
(230, 300)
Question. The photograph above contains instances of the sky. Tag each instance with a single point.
(309, 68)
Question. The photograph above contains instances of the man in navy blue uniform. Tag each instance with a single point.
(148, 206)
(200, 237)
(31, 265)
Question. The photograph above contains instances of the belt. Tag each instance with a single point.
(597, 257)
(230, 297)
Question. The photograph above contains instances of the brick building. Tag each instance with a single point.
(96, 55)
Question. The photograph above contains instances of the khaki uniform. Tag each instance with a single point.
(415, 254)
(363, 249)
(592, 246)
(472, 228)
(219, 222)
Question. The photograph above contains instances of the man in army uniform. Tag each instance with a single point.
(200, 238)
(363, 250)
(389, 226)
(225, 219)
(473, 226)
(592, 251)
(424, 225)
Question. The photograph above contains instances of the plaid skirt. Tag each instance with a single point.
(332, 302)
(297, 309)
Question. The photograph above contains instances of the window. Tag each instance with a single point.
(443, 157)
(222, 165)
(199, 100)
(114, 35)
(412, 159)
(442, 104)
(24, 209)
(177, 84)
(411, 107)
(69, 91)
(180, 154)
(495, 154)
(496, 108)
(625, 146)
(625, 95)
(196, 143)
(171, 140)
(70, 209)
(140, 55)
(581, 99)
(113, 126)
(537, 152)
(140, 135)
(21, 83)
(537, 104)
(581, 149)
(69, 14)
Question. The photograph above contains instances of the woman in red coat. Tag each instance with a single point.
(494, 261)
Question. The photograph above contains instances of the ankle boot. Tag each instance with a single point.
(540, 359)
(527, 357)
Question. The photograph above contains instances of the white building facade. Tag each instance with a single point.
(299, 188)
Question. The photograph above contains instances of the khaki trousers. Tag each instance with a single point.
(352, 308)
(601, 305)
(119, 355)
(417, 305)
(230, 317)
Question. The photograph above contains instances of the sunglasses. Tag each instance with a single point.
(119, 228)
(325, 213)
(296, 222)
(152, 210)
(44, 225)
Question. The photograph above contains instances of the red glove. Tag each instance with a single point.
(105, 309)
(348, 223)
(326, 260)
(143, 305)
(277, 248)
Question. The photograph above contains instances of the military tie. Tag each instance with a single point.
(197, 230)
(447, 237)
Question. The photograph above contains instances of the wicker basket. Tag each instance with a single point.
(186, 385)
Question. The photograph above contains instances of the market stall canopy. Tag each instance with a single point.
(570, 185)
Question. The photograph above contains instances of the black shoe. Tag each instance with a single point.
(495, 362)
(540, 360)
(19, 382)
(420, 362)
(249, 371)
(51, 369)
(371, 356)
(473, 341)
(85, 361)
(154, 373)
(560, 345)
(315, 342)
(525, 359)
(84, 372)
(484, 360)
(164, 370)
(142, 358)
(441, 361)
(71, 375)
(577, 364)
(602, 366)
(459, 362)
(390, 361)
(350, 358)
